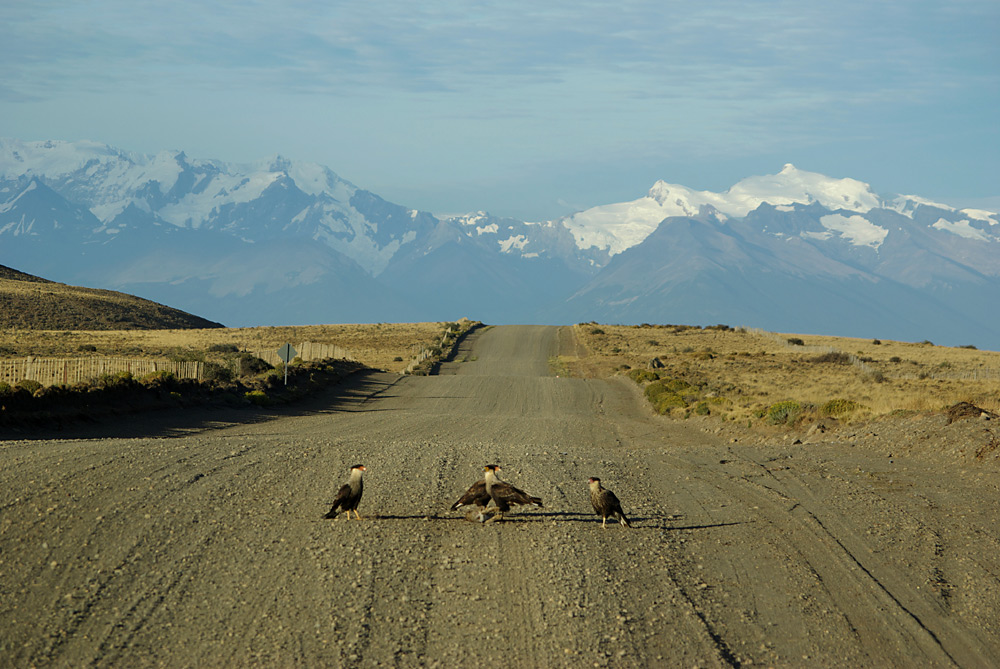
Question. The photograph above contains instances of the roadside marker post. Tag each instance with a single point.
(287, 354)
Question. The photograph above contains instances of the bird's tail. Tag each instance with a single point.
(332, 513)
(623, 520)
(537, 501)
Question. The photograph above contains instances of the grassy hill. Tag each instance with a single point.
(31, 303)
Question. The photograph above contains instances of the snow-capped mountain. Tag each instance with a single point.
(772, 269)
(287, 242)
(272, 199)
(616, 227)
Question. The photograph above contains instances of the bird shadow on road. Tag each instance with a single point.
(638, 522)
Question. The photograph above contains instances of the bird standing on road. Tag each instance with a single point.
(476, 494)
(504, 494)
(606, 503)
(349, 495)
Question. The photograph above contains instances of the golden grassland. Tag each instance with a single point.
(742, 374)
(386, 346)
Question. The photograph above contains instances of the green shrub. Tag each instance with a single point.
(795, 341)
(675, 385)
(834, 357)
(702, 409)
(783, 413)
(654, 390)
(251, 365)
(258, 397)
(157, 377)
(119, 380)
(642, 375)
(667, 394)
(5, 389)
(839, 408)
(213, 371)
(28, 385)
(224, 348)
(665, 403)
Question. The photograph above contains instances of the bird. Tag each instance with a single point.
(349, 495)
(606, 503)
(476, 494)
(504, 494)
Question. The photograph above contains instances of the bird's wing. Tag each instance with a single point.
(615, 506)
(342, 495)
(512, 495)
(611, 500)
(477, 490)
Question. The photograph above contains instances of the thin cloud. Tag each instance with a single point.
(400, 83)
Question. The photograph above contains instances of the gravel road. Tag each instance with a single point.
(208, 547)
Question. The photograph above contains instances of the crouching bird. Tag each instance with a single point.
(349, 495)
(504, 494)
(477, 495)
(606, 503)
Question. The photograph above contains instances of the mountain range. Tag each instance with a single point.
(285, 242)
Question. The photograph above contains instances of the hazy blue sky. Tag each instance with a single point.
(530, 109)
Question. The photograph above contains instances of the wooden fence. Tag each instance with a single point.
(67, 371)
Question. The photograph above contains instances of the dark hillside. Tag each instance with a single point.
(31, 303)
(14, 275)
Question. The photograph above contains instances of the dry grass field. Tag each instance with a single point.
(387, 346)
(754, 377)
(766, 378)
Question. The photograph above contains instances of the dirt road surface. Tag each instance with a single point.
(208, 547)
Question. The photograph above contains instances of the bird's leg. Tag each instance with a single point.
(356, 514)
(604, 521)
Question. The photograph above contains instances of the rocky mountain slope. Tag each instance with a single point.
(287, 242)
